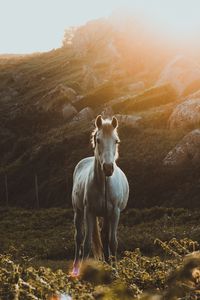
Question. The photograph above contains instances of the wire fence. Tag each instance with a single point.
(35, 189)
(8, 193)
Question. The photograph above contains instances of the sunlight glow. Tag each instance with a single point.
(38, 25)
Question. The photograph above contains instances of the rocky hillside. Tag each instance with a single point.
(48, 103)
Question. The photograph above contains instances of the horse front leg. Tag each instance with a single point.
(114, 221)
(105, 239)
(78, 222)
(89, 220)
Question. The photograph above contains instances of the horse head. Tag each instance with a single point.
(105, 142)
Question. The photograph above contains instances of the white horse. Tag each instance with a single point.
(100, 189)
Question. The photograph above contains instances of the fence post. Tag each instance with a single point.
(36, 192)
(6, 190)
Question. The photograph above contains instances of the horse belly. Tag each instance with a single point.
(78, 194)
(96, 204)
(80, 178)
(119, 192)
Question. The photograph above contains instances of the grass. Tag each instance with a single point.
(48, 234)
(173, 277)
(36, 253)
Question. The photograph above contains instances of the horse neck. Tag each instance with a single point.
(99, 176)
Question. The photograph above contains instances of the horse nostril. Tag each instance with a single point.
(108, 169)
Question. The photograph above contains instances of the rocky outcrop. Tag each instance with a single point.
(187, 151)
(186, 113)
(182, 74)
(95, 37)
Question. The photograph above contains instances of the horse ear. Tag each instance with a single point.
(98, 121)
(114, 122)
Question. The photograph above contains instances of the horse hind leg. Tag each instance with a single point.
(78, 222)
(105, 239)
(89, 220)
(113, 243)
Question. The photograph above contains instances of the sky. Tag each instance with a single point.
(28, 26)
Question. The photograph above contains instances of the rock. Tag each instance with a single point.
(107, 112)
(152, 97)
(118, 100)
(69, 111)
(68, 92)
(86, 114)
(187, 151)
(95, 37)
(90, 79)
(6, 98)
(8, 94)
(186, 113)
(182, 74)
(78, 98)
(194, 95)
(17, 76)
(136, 87)
(57, 98)
(97, 96)
(131, 120)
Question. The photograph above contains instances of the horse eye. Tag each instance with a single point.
(98, 141)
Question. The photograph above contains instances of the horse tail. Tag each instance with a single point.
(97, 243)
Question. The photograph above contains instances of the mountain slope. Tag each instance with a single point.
(37, 139)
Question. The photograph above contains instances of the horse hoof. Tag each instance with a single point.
(75, 272)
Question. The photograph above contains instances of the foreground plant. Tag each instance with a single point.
(176, 276)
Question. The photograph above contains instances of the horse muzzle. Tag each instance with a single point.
(108, 169)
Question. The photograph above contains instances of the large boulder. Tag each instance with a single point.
(8, 94)
(56, 98)
(186, 113)
(182, 74)
(107, 112)
(86, 114)
(136, 87)
(17, 76)
(98, 96)
(187, 151)
(129, 120)
(152, 97)
(69, 111)
(89, 80)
